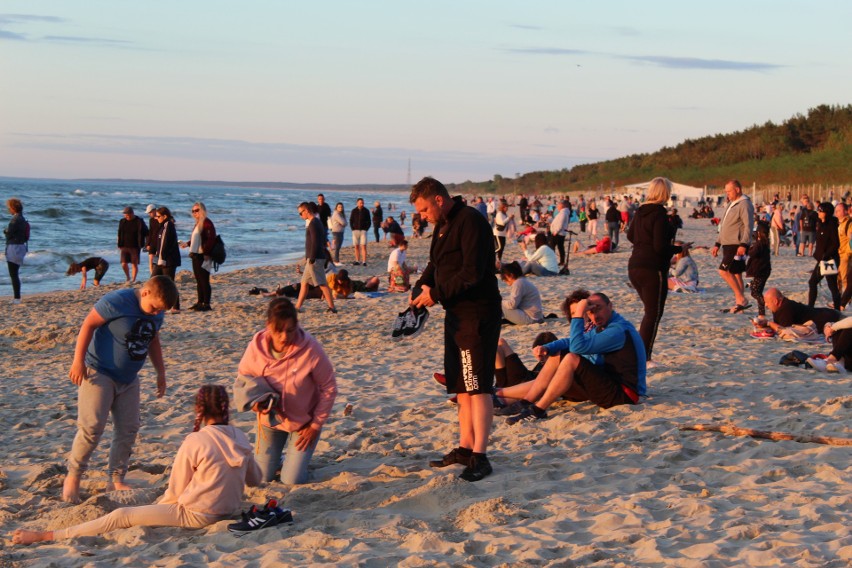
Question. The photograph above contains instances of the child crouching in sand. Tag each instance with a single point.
(96, 263)
(210, 472)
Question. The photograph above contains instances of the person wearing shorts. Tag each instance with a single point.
(460, 276)
(606, 364)
(359, 224)
(132, 236)
(315, 258)
(734, 239)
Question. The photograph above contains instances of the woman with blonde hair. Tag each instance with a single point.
(200, 244)
(652, 236)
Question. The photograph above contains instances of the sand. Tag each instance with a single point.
(586, 487)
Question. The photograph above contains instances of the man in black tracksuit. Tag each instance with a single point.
(460, 276)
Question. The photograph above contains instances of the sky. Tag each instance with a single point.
(345, 91)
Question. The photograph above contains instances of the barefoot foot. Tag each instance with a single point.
(71, 489)
(118, 486)
(21, 536)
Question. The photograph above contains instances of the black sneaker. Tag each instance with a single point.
(399, 325)
(415, 323)
(479, 468)
(511, 409)
(255, 519)
(528, 414)
(451, 458)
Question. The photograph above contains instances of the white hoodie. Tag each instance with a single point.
(211, 470)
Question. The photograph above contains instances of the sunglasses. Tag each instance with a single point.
(196, 210)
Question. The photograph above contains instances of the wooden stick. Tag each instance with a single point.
(768, 435)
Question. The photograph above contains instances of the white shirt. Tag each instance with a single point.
(397, 256)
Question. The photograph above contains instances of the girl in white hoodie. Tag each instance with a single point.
(210, 472)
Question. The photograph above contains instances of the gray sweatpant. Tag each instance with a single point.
(97, 398)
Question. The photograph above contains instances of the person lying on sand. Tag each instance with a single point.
(209, 474)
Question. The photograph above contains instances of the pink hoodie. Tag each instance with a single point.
(304, 377)
(211, 470)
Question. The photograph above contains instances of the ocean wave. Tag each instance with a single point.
(51, 212)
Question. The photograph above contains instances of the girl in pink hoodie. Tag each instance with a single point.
(296, 368)
(209, 474)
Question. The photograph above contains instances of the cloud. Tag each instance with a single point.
(546, 51)
(665, 61)
(452, 163)
(8, 20)
(697, 63)
(526, 27)
(89, 40)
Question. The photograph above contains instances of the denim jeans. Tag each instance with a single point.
(613, 229)
(271, 444)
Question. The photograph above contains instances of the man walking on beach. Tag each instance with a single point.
(460, 276)
(734, 239)
(559, 228)
(315, 257)
(120, 332)
(132, 233)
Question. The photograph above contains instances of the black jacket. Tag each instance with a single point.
(460, 272)
(827, 240)
(359, 219)
(132, 233)
(652, 236)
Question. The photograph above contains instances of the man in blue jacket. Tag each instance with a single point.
(605, 365)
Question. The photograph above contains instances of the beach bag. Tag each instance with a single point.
(794, 359)
(217, 253)
(827, 267)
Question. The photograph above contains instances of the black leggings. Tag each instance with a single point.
(830, 280)
(501, 245)
(559, 244)
(202, 280)
(653, 288)
(757, 285)
(16, 280)
(170, 272)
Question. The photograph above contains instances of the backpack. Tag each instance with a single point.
(217, 253)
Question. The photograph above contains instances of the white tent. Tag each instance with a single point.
(679, 191)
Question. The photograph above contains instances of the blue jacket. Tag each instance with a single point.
(597, 344)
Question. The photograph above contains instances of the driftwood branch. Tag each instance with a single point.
(768, 435)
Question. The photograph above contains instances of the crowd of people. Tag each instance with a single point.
(288, 381)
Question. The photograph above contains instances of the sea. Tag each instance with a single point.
(73, 220)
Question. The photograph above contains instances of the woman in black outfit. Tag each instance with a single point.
(827, 248)
(168, 249)
(652, 236)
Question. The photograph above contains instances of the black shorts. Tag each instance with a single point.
(593, 383)
(101, 269)
(729, 264)
(470, 347)
(516, 371)
(129, 255)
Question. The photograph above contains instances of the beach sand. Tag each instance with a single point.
(586, 487)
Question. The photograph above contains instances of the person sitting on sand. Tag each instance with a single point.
(839, 360)
(208, 477)
(786, 312)
(96, 263)
(118, 334)
(398, 270)
(541, 262)
(606, 364)
(523, 306)
(683, 276)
